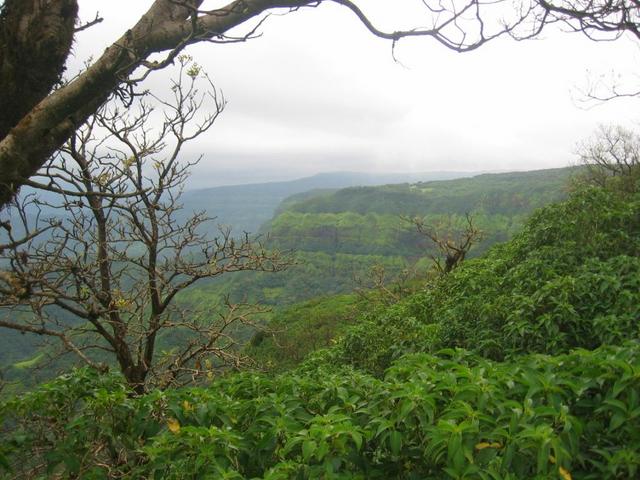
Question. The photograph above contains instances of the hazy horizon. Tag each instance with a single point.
(318, 93)
(236, 178)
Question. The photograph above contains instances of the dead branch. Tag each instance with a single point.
(452, 244)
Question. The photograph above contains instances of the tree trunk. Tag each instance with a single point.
(35, 39)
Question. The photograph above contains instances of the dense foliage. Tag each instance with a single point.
(296, 331)
(570, 279)
(246, 207)
(360, 220)
(339, 235)
(450, 415)
(503, 193)
(378, 234)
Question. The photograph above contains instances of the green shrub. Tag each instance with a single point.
(449, 415)
(383, 336)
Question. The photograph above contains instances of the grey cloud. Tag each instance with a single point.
(316, 92)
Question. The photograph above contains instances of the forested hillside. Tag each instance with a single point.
(341, 240)
(493, 193)
(244, 208)
(341, 235)
(522, 363)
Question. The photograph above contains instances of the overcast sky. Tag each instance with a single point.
(317, 93)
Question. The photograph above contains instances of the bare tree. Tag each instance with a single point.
(452, 244)
(611, 154)
(377, 286)
(102, 257)
(36, 37)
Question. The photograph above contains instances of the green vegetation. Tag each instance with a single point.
(367, 220)
(302, 328)
(335, 246)
(451, 415)
(248, 207)
(336, 238)
(316, 273)
(501, 193)
(340, 236)
(523, 363)
(570, 279)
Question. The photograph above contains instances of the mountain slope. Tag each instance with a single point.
(366, 220)
(337, 248)
(247, 207)
(570, 279)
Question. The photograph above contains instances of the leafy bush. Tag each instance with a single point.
(449, 415)
(301, 328)
(383, 335)
(72, 425)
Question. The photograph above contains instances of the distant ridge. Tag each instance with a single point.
(339, 180)
(246, 207)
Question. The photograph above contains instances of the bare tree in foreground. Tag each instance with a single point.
(103, 256)
(36, 38)
(612, 154)
(452, 244)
